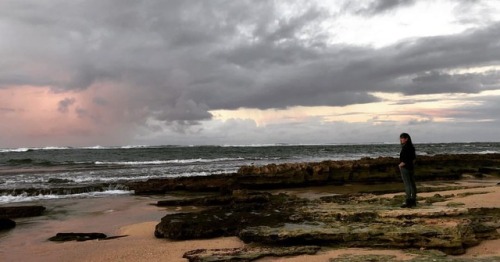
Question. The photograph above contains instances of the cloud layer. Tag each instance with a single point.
(173, 63)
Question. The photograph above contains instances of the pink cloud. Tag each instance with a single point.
(37, 116)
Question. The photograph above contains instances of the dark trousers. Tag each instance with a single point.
(409, 181)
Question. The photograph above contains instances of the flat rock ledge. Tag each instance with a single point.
(357, 220)
(247, 253)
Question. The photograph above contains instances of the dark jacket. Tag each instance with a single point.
(407, 156)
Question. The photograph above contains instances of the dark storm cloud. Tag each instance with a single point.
(384, 5)
(379, 6)
(436, 82)
(330, 75)
(179, 59)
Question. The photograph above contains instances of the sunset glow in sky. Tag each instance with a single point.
(112, 72)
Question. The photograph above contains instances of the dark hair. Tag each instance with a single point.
(407, 136)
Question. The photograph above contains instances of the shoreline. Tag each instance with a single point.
(135, 216)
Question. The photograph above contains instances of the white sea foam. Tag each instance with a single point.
(488, 152)
(134, 146)
(92, 179)
(25, 198)
(6, 150)
(96, 177)
(26, 149)
(54, 148)
(163, 162)
(95, 147)
(265, 145)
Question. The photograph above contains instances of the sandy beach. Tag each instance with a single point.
(135, 217)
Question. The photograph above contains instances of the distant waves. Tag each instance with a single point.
(28, 174)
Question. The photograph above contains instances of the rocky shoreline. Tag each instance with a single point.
(278, 221)
(250, 206)
(364, 171)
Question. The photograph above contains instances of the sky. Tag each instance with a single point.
(224, 72)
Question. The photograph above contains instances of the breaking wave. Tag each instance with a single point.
(163, 162)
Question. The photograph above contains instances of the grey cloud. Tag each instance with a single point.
(406, 67)
(63, 105)
(100, 101)
(437, 82)
(470, 12)
(81, 113)
(472, 48)
(420, 122)
(187, 110)
(384, 5)
(376, 6)
(486, 108)
(287, 29)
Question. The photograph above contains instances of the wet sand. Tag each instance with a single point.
(135, 217)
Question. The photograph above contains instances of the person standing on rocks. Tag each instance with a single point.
(406, 158)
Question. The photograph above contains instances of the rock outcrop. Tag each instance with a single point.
(366, 170)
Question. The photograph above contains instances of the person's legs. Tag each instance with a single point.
(413, 188)
(407, 180)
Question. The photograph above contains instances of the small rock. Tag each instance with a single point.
(6, 223)
(61, 237)
(21, 211)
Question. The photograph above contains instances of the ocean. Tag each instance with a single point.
(31, 174)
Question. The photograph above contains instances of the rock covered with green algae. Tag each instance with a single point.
(228, 220)
(357, 222)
